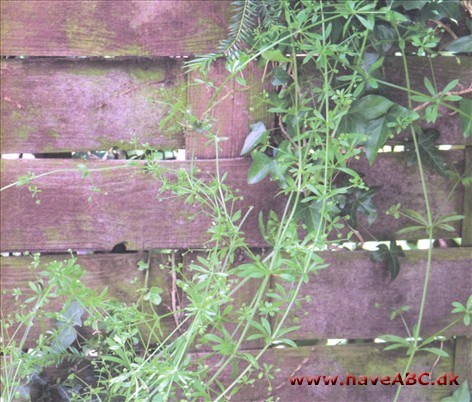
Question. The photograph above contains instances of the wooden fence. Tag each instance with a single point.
(65, 97)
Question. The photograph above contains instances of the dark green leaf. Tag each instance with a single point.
(309, 213)
(257, 133)
(370, 115)
(383, 37)
(279, 77)
(460, 45)
(408, 4)
(428, 150)
(389, 256)
(360, 202)
(439, 10)
(465, 106)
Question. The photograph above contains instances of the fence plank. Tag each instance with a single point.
(463, 357)
(320, 360)
(360, 360)
(126, 209)
(354, 297)
(117, 272)
(237, 107)
(114, 28)
(65, 105)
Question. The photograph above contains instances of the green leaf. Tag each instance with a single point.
(279, 77)
(370, 115)
(360, 202)
(437, 351)
(408, 4)
(465, 106)
(256, 135)
(369, 23)
(260, 167)
(309, 213)
(460, 45)
(274, 55)
(461, 394)
(434, 10)
(428, 150)
(389, 256)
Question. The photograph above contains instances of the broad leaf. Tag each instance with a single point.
(460, 45)
(360, 202)
(371, 116)
(408, 4)
(428, 150)
(309, 213)
(260, 167)
(466, 121)
(279, 77)
(256, 135)
(439, 10)
(389, 256)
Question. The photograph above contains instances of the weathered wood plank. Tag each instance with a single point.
(463, 358)
(359, 360)
(113, 28)
(400, 183)
(65, 105)
(117, 272)
(126, 209)
(320, 360)
(236, 107)
(353, 298)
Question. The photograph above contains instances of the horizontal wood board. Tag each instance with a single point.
(112, 28)
(77, 105)
(126, 209)
(367, 360)
(81, 105)
(353, 297)
(117, 272)
(355, 359)
(350, 299)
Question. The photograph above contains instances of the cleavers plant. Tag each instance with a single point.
(322, 125)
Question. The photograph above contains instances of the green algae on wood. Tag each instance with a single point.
(90, 105)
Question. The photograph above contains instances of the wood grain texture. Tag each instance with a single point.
(353, 298)
(117, 272)
(126, 209)
(237, 107)
(113, 28)
(75, 105)
(400, 183)
(463, 358)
